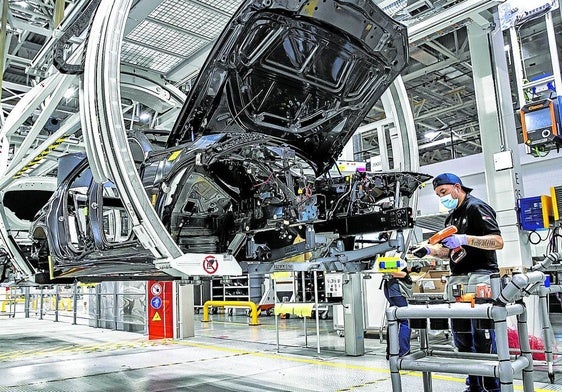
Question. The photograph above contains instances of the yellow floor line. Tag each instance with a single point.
(313, 361)
(108, 346)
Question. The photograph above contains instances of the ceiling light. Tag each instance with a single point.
(70, 92)
(430, 135)
(145, 117)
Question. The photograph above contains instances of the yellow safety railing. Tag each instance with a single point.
(10, 301)
(246, 304)
(64, 303)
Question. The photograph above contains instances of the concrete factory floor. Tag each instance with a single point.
(225, 355)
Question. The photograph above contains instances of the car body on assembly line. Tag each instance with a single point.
(246, 169)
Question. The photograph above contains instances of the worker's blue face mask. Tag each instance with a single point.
(448, 202)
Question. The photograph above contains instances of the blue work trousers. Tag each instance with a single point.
(468, 338)
(396, 298)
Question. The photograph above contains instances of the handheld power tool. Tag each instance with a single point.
(456, 254)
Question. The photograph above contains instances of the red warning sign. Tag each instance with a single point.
(160, 310)
(210, 264)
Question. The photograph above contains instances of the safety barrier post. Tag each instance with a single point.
(27, 301)
(98, 306)
(57, 303)
(41, 304)
(12, 303)
(74, 302)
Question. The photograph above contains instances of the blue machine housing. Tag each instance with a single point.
(535, 212)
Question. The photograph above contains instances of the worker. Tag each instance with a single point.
(397, 288)
(479, 234)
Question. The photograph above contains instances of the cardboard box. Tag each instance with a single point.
(415, 279)
(432, 281)
(441, 274)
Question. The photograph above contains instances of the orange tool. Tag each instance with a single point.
(468, 297)
(442, 234)
(458, 253)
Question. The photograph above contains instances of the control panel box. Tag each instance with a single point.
(535, 212)
(540, 121)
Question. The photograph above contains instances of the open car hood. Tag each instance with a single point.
(305, 72)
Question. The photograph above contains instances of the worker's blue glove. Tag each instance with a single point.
(454, 241)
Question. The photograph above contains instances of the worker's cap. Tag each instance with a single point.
(449, 178)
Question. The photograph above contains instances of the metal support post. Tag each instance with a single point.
(505, 367)
(393, 351)
(517, 65)
(424, 346)
(527, 372)
(12, 301)
(74, 302)
(98, 306)
(27, 302)
(115, 307)
(41, 304)
(317, 312)
(497, 132)
(274, 284)
(551, 263)
(57, 298)
(547, 332)
(353, 315)
(303, 288)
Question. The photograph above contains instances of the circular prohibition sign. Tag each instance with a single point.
(210, 264)
(156, 289)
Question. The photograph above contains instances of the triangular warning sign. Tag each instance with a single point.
(156, 317)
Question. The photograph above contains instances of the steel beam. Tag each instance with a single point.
(19, 24)
(448, 17)
(48, 107)
(69, 126)
(495, 115)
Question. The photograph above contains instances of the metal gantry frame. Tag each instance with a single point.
(105, 136)
(508, 302)
(518, 61)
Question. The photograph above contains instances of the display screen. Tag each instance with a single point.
(538, 119)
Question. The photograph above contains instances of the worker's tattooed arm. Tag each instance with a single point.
(488, 242)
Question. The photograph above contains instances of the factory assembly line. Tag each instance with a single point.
(235, 181)
(245, 172)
